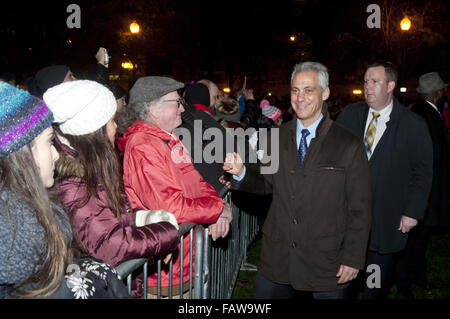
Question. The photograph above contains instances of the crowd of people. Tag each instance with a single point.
(92, 175)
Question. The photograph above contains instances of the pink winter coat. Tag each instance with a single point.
(158, 174)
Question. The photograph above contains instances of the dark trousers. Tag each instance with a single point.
(267, 289)
(386, 263)
(411, 266)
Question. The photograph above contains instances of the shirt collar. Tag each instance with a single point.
(312, 128)
(172, 136)
(434, 106)
(384, 112)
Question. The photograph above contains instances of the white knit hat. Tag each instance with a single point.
(81, 106)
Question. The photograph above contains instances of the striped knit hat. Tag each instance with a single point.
(270, 111)
(22, 118)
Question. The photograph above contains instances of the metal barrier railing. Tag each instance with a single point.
(217, 264)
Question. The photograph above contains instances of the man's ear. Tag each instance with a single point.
(325, 94)
(391, 86)
(153, 111)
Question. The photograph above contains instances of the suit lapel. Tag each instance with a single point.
(291, 146)
(362, 120)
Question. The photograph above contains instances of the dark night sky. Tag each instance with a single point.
(192, 39)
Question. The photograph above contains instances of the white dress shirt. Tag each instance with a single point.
(434, 107)
(381, 123)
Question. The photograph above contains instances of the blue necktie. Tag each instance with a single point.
(303, 146)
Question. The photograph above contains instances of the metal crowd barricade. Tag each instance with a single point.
(216, 265)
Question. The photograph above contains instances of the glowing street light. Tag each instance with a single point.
(405, 24)
(292, 38)
(134, 28)
(127, 65)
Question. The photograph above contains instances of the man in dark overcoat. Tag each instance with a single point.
(400, 154)
(317, 227)
(412, 264)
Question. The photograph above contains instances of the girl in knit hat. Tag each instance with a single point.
(28, 218)
(271, 115)
(35, 231)
(89, 180)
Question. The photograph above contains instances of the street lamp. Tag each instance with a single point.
(127, 65)
(292, 38)
(405, 24)
(134, 28)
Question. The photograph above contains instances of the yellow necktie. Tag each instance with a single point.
(370, 133)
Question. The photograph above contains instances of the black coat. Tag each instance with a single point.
(251, 114)
(437, 211)
(221, 142)
(401, 172)
(198, 142)
(320, 215)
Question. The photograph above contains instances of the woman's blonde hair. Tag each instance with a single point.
(228, 106)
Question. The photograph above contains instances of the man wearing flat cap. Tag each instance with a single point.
(158, 170)
(412, 266)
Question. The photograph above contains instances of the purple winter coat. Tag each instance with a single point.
(96, 228)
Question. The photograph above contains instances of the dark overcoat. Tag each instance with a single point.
(320, 215)
(437, 211)
(401, 172)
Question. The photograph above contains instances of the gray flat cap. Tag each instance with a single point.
(150, 88)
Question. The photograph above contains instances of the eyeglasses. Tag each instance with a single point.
(179, 101)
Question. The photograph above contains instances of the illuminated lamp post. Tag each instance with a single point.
(405, 26)
(134, 27)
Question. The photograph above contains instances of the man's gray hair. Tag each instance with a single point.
(321, 70)
(134, 112)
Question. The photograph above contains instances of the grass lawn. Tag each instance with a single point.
(438, 259)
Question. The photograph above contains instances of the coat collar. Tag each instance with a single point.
(322, 128)
(68, 165)
(395, 115)
(201, 107)
(397, 110)
(178, 151)
(147, 128)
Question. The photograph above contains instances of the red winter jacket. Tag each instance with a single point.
(158, 174)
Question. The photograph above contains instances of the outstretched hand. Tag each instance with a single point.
(233, 164)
